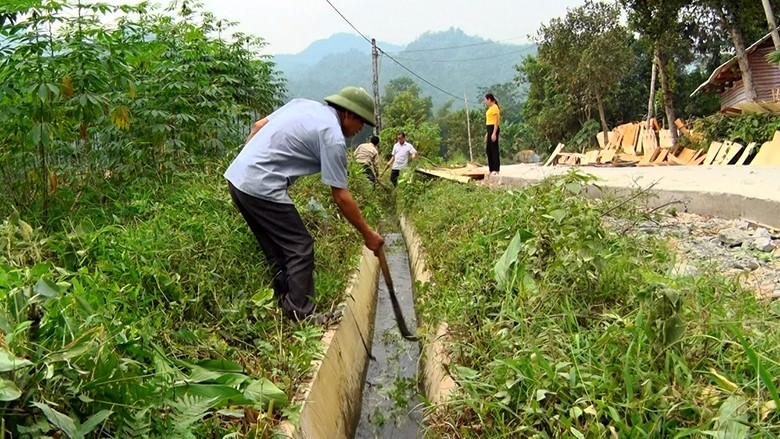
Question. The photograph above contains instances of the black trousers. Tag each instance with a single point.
(369, 173)
(491, 149)
(394, 176)
(288, 247)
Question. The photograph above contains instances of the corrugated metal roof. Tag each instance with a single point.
(728, 65)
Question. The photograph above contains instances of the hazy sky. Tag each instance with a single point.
(289, 26)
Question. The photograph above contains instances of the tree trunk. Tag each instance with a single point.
(739, 44)
(668, 104)
(651, 101)
(603, 118)
(770, 21)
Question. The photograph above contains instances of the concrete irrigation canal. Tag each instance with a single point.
(368, 384)
(390, 404)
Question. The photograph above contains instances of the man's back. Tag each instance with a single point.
(366, 153)
(301, 138)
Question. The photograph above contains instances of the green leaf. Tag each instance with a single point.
(541, 394)
(673, 330)
(54, 89)
(221, 394)
(558, 215)
(9, 361)
(8, 390)
(761, 371)
(731, 419)
(576, 433)
(46, 288)
(43, 92)
(35, 134)
(61, 421)
(574, 187)
(95, 420)
(504, 264)
(263, 297)
(263, 391)
(221, 365)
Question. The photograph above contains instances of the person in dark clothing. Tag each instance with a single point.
(301, 138)
(367, 155)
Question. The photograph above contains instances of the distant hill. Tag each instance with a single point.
(451, 60)
(336, 43)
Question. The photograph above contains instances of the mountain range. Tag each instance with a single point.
(446, 65)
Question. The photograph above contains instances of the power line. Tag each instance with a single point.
(465, 59)
(348, 22)
(458, 47)
(385, 53)
(418, 76)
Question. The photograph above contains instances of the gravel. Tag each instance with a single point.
(731, 247)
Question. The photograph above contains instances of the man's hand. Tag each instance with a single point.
(347, 205)
(256, 127)
(493, 137)
(374, 242)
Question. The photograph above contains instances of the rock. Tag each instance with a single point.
(683, 269)
(741, 224)
(761, 233)
(746, 264)
(763, 244)
(733, 236)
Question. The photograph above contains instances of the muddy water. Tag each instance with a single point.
(391, 406)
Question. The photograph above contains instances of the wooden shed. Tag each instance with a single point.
(727, 80)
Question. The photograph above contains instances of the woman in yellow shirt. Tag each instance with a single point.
(492, 121)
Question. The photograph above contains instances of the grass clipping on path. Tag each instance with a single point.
(152, 315)
(561, 327)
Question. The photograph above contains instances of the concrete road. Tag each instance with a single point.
(750, 192)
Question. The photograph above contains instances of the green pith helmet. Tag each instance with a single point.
(356, 100)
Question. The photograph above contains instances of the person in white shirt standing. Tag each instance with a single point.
(400, 159)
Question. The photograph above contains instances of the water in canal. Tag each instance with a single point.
(391, 407)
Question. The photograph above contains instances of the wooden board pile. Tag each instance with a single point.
(643, 144)
(472, 171)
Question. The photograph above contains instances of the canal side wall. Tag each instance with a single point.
(331, 403)
(438, 385)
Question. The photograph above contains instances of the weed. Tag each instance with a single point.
(159, 318)
(562, 327)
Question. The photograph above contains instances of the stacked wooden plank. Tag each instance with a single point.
(645, 144)
(471, 171)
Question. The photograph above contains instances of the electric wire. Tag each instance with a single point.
(348, 22)
(393, 59)
(457, 47)
(465, 59)
(418, 76)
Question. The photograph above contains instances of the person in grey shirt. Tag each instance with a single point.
(301, 138)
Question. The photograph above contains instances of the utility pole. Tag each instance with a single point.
(375, 66)
(468, 125)
(770, 20)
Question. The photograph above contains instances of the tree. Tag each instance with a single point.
(550, 111)
(403, 104)
(588, 50)
(659, 22)
(740, 20)
(405, 110)
(455, 134)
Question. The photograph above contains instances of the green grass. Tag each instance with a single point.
(149, 312)
(562, 327)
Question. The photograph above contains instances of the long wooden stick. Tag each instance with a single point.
(399, 317)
